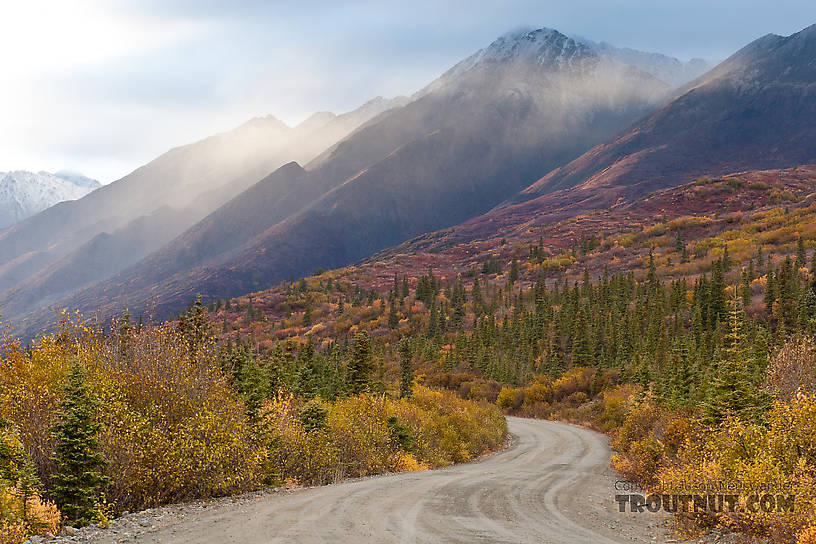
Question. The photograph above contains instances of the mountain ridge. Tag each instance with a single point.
(176, 190)
(738, 112)
(24, 193)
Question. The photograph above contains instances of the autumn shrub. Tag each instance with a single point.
(369, 434)
(576, 398)
(638, 451)
(614, 407)
(505, 398)
(295, 453)
(777, 458)
(454, 430)
(792, 367)
(541, 391)
(576, 379)
(173, 428)
(23, 511)
(480, 389)
(359, 428)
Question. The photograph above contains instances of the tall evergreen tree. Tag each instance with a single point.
(360, 365)
(308, 373)
(716, 297)
(405, 290)
(514, 272)
(801, 255)
(731, 390)
(195, 328)
(406, 369)
(78, 481)
(393, 317)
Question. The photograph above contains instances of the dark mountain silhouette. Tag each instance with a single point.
(756, 110)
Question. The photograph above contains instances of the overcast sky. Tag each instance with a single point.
(103, 87)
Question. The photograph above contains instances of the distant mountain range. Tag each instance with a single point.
(536, 124)
(65, 248)
(23, 194)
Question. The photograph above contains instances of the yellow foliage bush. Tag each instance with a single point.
(506, 397)
(614, 406)
(361, 437)
(173, 428)
(778, 458)
(17, 524)
(23, 512)
(451, 430)
(576, 379)
(539, 392)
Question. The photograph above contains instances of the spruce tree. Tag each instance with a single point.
(478, 301)
(717, 309)
(801, 255)
(125, 336)
(308, 374)
(582, 345)
(643, 377)
(77, 456)
(195, 327)
(745, 289)
(360, 365)
(393, 317)
(731, 390)
(770, 291)
(514, 273)
(683, 374)
(406, 369)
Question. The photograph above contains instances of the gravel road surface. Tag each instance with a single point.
(552, 485)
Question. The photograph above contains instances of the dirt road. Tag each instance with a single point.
(553, 485)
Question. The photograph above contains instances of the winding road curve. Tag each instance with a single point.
(553, 485)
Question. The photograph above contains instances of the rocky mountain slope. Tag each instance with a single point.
(23, 194)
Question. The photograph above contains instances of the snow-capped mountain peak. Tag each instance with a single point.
(23, 193)
(546, 50)
(544, 46)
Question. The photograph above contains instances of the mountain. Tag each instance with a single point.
(672, 71)
(23, 194)
(78, 179)
(78, 243)
(484, 130)
(755, 110)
